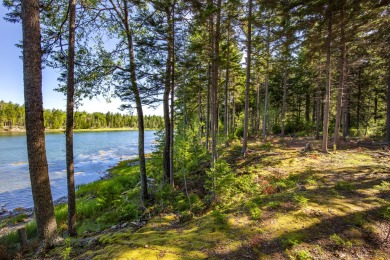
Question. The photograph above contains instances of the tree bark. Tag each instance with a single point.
(138, 103)
(167, 120)
(345, 109)
(265, 118)
(214, 92)
(233, 125)
(284, 105)
(248, 80)
(328, 80)
(226, 117)
(341, 80)
(388, 103)
(172, 43)
(359, 95)
(22, 235)
(307, 107)
(318, 99)
(200, 117)
(72, 231)
(35, 131)
(208, 110)
(257, 127)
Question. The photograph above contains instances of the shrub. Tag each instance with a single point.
(222, 181)
(303, 255)
(253, 210)
(339, 242)
(300, 199)
(384, 186)
(344, 186)
(219, 219)
(290, 241)
(239, 132)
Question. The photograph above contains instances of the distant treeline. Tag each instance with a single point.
(13, 115)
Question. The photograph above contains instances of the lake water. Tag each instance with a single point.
(94, 153)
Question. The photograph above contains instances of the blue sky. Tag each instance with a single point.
(11, 76)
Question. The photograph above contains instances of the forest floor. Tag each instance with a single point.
(290, 204)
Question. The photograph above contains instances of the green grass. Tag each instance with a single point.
(99, 204)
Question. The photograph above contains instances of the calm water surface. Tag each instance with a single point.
(94, 153)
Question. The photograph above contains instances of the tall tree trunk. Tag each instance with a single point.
(341, 80)
(233, 113)
(214, 93)
(318, 99)
(307, 107)
(35, 130)
(226, 117)
(167, 120)
(69, 122)
(358, 100)
(284, 105)
(172, 38)
(200, 132)
(375, 108)
(138, 103)
(208, 110)
(265, 117)
(248, 80)
(328, 80)
(346, 113)
(388, 103)
(258, 107)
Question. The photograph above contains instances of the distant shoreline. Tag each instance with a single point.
(17, 130)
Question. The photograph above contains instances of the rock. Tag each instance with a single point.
(308, 147)
(124, 225)
(3, 211)
(302, 187)
(61, 200)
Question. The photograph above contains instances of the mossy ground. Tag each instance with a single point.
(286, 205)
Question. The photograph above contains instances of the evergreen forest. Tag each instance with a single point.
(274, 141)
(13, 115)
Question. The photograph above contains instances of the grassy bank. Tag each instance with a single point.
(277, 203)
(100, 205)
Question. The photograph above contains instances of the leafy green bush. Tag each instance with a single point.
(239, 132)
(108, 195)
(290, 241)
(303, 255)
(219, 219)
(276, 129)
(127, 212)
(222, 181)
(297, 127)
(197, 204)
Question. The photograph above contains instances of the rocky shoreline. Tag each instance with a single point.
(28, 212)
